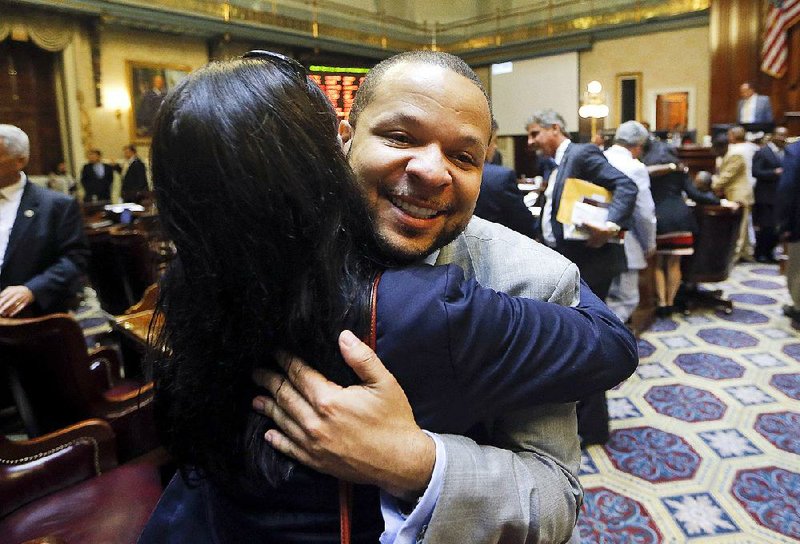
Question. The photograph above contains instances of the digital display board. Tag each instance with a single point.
(339, 84)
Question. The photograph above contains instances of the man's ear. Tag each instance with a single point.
(345, 135)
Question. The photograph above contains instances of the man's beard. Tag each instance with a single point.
(398, 256)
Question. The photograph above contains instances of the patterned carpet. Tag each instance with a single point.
(705, 442)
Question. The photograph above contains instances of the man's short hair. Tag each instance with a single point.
(548, 118)
(495, 126)
(737, 133)
(630, 134)
(15, 140)
(97, 152)
(450, 62)
(131, 148)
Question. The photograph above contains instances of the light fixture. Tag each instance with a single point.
(118, 100)
(594, 104)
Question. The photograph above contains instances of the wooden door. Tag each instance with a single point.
(28, 100)
(672, 110)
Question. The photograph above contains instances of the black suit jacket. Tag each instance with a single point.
(587, 162)
(94, 186)
(47, 250)
(788, 203)
(500, 201)
(135, 180)
(765, 161)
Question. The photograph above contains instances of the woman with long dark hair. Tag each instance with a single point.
(275, 251)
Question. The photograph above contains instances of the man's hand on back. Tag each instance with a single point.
(364, 433)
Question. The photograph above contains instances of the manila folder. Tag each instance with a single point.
(576, 190)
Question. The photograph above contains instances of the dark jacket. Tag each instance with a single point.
(765, 161)
(97, 188)
(788, 193)
(500, 201)
(47, 249)
(587, 162)
(462, 354)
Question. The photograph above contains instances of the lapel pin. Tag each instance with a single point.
(28, 213)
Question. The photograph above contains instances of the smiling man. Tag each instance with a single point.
(416, 140)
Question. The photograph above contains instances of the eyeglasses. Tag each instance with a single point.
(298, 68)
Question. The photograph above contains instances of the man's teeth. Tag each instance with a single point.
(414, 211)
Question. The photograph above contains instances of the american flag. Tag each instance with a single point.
(775, 52)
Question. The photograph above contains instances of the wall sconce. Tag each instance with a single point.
(594, 104)
(117, 100)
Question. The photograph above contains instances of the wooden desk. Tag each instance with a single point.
(135, 326)
(697, 158)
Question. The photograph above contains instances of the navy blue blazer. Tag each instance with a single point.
(765, 161)
(587, 162)
(462, 354)
(500, 200)
(134, 181)
(97, 187)
(47, 249)
(788, 193)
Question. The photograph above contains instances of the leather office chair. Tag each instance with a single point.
(66, 487)
(56, 382)
(121, 267)
(714, 246)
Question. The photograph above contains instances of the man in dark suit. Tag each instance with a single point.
(500, 200)
(43, 250)
(96, 178)
(134, 174)
(599, 258)
(752, 107)
(788, 213)
(767, 169)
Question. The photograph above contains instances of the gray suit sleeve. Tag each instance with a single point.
(523, 487)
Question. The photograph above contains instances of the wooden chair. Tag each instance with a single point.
(714, 246)
(66, 487)
(56, 382)
(121, 267)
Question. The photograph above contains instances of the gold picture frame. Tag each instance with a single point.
(621, 80)
(148, 84)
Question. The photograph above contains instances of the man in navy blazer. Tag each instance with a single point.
(43, 250)
(767, 169)
(599, 258)
(96, 178)
(500, 200)
(788, 212)
(752, 107)
(134, 174)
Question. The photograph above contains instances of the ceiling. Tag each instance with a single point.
(479, 31)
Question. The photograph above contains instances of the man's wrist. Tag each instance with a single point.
(409, 483)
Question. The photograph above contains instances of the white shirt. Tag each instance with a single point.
(748, 113)
(547, 212)
(644, 212)
(10, 197)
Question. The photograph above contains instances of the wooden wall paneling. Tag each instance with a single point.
(27, 99)
(735, 36)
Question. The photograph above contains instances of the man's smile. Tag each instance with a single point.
(415, 211)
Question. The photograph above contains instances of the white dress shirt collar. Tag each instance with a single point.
(10, 198)
(560, 150)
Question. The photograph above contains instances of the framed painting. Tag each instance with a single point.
(148, 84)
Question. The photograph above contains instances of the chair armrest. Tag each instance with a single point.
(31, 469)
(104, 366)
(132, 417)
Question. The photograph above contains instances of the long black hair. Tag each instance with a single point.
(271, 233)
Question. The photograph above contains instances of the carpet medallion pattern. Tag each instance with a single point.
(705, 440)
